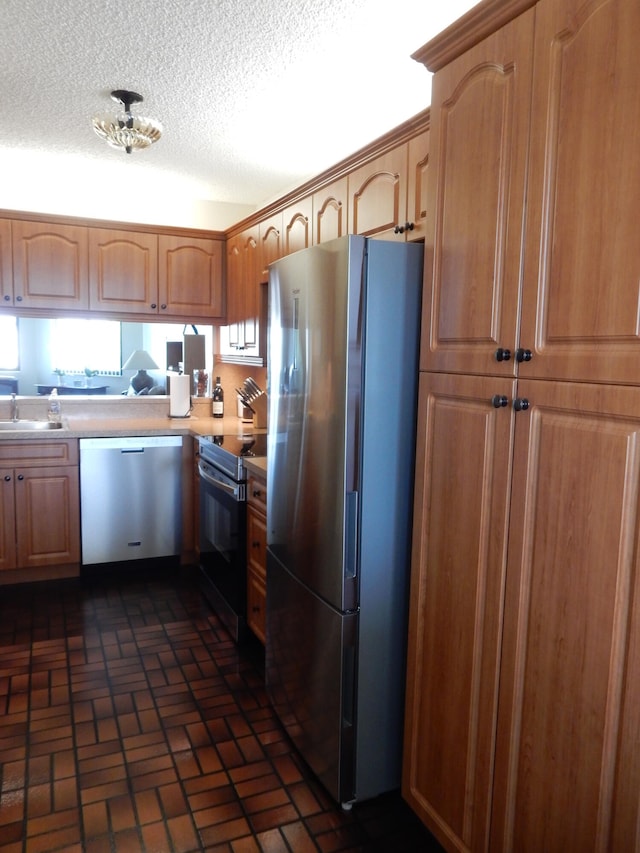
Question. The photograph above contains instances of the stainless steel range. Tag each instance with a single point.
(223, 524)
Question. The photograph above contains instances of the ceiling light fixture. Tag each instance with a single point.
(124, 130)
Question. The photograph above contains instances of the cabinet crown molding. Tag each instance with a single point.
(467, 31)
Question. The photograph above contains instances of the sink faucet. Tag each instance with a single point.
(14, 408)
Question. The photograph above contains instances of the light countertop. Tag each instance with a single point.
(113, 416)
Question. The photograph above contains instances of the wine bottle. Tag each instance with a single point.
(218, 400)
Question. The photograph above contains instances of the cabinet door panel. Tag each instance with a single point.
(256, 606)
(270, 243)
(123, 271)
(582, 263)
(190, 277)
(7, 521)
(297, 224)
(6, 264)
(418, 165)
(456, 604)
(50, 265)
(478, 139)
(47, 516)
(378, 196)
(330, 212)
(568, 755)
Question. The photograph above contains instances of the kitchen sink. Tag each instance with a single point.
(20, 425)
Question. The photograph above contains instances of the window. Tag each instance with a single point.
(9, 359)
(95, 345)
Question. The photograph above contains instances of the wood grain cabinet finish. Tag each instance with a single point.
(297, 225)
(190, 277)
(581, 300)
(523, 705)
(271, 243)
(50, 265)
(387, 196)
(330, 211)
(40, 504)
(123, 271)
(378, 196)
(463, 468)
(479, 130)
(243, 286)
(257, 555)
(6, 264)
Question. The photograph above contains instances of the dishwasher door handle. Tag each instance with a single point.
(132, 450)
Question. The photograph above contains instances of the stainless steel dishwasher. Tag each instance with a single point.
(130, 498)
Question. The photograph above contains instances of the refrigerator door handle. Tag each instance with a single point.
(351, 536)
(296, 328)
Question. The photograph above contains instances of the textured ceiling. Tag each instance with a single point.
(254, 97)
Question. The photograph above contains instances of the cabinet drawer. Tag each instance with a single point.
(256, 605)
(257, 493)
(36, 453)
(257, 543)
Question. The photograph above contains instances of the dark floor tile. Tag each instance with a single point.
(130, 721)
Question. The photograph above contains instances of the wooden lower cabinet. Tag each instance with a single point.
(257, 555)
(523, 701)
(39, 505)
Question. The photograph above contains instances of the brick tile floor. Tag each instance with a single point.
(129, 721)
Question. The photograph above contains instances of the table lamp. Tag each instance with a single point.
(141, 361)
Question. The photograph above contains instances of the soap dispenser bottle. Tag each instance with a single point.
(54, 413)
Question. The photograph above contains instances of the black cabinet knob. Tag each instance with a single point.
(499, 401)
(21, 476)
(521, 404)
(399, 229)
(7, 297)
(154, 306)
(7, 478)
(523, 354)
(18, 298)
(503, 354)
(408, 226)
(164, 307)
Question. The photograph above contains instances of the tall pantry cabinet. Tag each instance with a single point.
(523, 691)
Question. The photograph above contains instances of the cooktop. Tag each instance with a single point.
(239, 445)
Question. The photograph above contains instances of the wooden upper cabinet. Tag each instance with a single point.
(297, 226)
(190, 276)
(243, 285)
(123, 273)
(6, 264)
(581, 299)
(479, 131)
(271, 243)
(330, 208)
(235, 279)
(378, 196)
(417, 171)
(50, 265)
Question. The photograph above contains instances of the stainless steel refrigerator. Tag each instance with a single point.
(344, 321)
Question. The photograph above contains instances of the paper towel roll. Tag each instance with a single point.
(180, 396)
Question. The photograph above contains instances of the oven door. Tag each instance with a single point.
(223, 520)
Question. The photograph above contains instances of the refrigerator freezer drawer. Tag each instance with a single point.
(310, 677)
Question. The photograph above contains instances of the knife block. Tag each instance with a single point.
(259, 406)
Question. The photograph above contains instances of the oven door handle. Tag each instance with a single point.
(217, 484)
